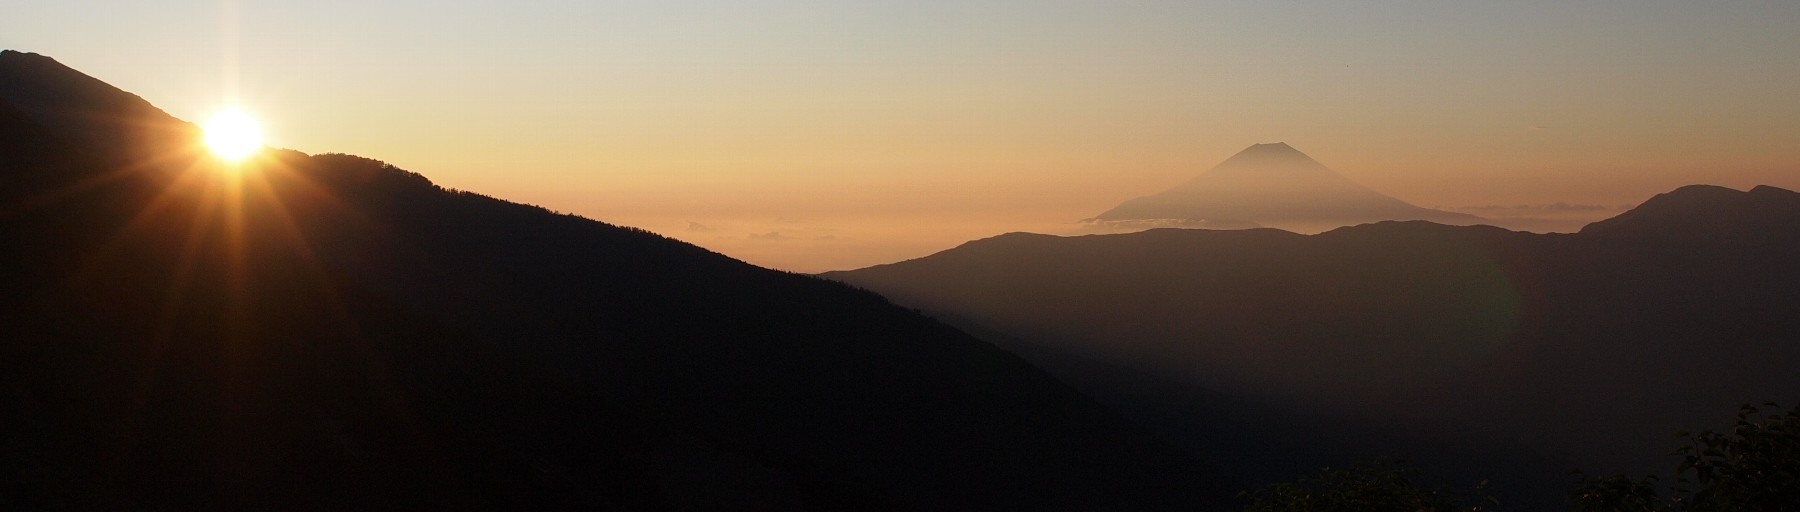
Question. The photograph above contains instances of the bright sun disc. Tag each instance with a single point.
(233, 135)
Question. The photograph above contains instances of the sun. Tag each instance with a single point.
(232, 135)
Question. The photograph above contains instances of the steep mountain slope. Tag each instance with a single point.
(329, 332)
(1592, 348)
(1274, 185)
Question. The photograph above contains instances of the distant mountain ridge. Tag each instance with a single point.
(330, 332)
(1706, 210)
(1274, 185)
(1591, 348)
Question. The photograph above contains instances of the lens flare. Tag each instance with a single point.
(233, 135)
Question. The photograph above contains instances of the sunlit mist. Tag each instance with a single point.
(231, 134)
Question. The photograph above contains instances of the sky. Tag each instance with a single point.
(821, 135)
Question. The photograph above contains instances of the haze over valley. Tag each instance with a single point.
(928, 255)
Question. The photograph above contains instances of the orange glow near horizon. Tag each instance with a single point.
(815, 136)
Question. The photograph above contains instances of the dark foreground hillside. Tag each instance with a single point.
(1477, 351)
(328, 332)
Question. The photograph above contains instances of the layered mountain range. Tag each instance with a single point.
(330, 332)
(1476, 346)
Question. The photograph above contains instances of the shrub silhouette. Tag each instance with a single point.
(1753, 467)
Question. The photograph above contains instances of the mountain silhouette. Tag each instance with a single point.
(85, 111)
(1580, 350)
(1273, 185)
(1704, 211)
(331, 332)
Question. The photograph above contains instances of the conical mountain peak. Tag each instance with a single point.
(1275, 185)
(1275, 158)
(1270, 151)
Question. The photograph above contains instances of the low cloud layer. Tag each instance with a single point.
(1534, 209)
(1119, 226)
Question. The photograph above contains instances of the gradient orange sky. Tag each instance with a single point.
(818, 135)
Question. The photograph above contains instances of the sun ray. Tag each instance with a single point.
(174, 298)
(112, 176)
(164, 199)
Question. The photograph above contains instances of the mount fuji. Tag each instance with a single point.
(1272, 185)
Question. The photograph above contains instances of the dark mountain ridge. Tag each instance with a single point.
(1703, 211)
(1588, 348)
(327, 331)
(84, 111)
